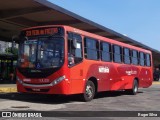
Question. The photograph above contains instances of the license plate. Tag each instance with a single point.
(37, 90)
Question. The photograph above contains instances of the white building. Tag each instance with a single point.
(4, 45)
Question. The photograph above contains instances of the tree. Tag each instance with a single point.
(11, 50)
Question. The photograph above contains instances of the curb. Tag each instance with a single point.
(156, 83)
(7, 89)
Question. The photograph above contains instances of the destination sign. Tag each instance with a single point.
(43, 31)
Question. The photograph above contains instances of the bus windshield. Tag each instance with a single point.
(39, 53)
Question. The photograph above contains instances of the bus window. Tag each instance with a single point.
(127, 57)
(134, 57)
(106, 54)
(91, 49)
(141, 59)
(148, 60)
(117, 53)
(74, 49)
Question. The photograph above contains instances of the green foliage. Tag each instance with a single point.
(14, 51)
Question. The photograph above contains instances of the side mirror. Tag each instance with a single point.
(26, 38)
(70, 38)
(15, 38)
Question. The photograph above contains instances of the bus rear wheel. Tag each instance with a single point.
(89, 91)
(134, 89)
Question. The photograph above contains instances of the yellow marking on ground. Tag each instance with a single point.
(156, 83)
(8, 89)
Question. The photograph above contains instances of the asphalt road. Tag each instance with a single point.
(147, 99)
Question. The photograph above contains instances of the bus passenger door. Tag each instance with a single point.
(75, 57)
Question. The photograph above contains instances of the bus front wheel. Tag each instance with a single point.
(89, 91)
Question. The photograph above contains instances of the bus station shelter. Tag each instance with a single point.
(7, 67)
(16, 15)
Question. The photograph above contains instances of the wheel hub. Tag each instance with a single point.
(89, 91)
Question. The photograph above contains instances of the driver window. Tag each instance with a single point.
(74, 49)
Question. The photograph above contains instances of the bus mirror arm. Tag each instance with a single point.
(15, 38)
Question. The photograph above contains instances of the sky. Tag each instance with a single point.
(138, 19)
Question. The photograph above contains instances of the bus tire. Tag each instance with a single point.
(89, 92)
(134, 89)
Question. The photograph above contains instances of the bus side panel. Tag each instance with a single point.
(82, 72)
(145, 77)
(121, 77)
(76, 78)
(100, 71)
(114, 77)
(118, 76)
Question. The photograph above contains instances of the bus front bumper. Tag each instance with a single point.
(58, 86)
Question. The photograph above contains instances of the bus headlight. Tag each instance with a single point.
(58, 80)
(19, 80)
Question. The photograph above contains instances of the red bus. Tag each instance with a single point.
(65, 60)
